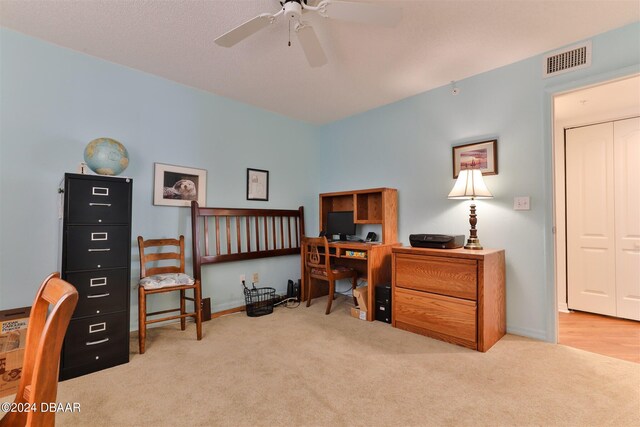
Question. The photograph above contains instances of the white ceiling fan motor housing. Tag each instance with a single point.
(292, 9)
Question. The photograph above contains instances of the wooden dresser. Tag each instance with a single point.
(96, 259)
(455, 295)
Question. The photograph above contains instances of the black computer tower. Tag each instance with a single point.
(383, 302)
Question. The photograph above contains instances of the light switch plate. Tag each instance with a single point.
(256, 278)
(522, 203)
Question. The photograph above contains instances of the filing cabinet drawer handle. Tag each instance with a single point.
(100, 191)
(98, 281)
(100, 204)
(99, 236)
(97, 327)
(98, 296)
(97, 342)
(99, 250)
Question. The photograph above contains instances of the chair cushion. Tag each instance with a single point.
(166, 280)
(335, 269)
(318, 272)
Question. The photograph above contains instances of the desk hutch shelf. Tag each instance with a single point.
(371, 206)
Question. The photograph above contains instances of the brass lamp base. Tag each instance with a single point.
(473, 243)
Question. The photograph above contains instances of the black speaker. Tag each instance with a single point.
(293, 289)
(205, 307)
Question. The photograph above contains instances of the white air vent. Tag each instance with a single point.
(569, 59)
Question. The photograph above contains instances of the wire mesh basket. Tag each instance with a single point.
(259, 301)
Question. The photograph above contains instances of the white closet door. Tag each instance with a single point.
(627, 212)
(590, 219)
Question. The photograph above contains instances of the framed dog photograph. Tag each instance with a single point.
(179, 185)
(257, 184)
(479, 155)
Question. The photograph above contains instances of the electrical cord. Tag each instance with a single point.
(348, 291)
(288, 303)
(293, 302)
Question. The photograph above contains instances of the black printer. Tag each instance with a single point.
(436, 241)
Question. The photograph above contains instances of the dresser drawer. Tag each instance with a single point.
(91, 247)
(444, 276)
(98, 201)
(98, 339)
(446, 316)
(100, 292)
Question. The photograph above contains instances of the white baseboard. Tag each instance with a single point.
(537, 334)
(563, 307)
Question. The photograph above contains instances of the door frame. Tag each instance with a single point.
(555, 216)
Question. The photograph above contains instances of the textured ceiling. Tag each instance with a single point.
(436, 42)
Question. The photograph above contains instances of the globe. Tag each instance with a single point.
(106, 156)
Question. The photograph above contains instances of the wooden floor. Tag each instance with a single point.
(619, 338)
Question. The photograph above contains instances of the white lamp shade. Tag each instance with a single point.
(470, 185)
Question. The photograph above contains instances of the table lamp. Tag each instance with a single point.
(470, 185)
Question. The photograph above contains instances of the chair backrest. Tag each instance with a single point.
(45, 333)
(154, 256)
(316, 254)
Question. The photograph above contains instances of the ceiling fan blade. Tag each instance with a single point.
(243, 31)
(311, 46)
(365, 13)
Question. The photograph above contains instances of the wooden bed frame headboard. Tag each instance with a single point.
(224, 235)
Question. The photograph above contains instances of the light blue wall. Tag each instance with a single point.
(53, 101)
(407, 145)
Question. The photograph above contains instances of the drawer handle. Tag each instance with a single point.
(97, 342)
(98, 296)
(100, 204)
(99, 236)
(100, 191)
(99, 250)
(98, 281)
(97, 327)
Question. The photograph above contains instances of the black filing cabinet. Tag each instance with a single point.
(96, 259)
(383, 303)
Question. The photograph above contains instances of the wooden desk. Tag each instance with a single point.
(374, 267)
(373, 206)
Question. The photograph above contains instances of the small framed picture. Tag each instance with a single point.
(179, 185)
(478, 155)
(257, 184)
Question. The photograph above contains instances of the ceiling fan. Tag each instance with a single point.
(293, 11)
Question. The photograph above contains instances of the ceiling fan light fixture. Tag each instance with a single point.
(292, 9)
(359, 12)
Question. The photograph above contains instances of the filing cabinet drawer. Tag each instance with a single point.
(447, 317)
(98, 201)
(98, 339)
(91, 247)
(100, 292)
(440, 275)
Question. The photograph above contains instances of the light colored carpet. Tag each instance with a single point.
(300, 367)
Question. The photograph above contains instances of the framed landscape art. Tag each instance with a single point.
(478, 155)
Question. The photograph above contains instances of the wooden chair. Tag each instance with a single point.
(166, 278)
(318, 266)
(39, 380)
